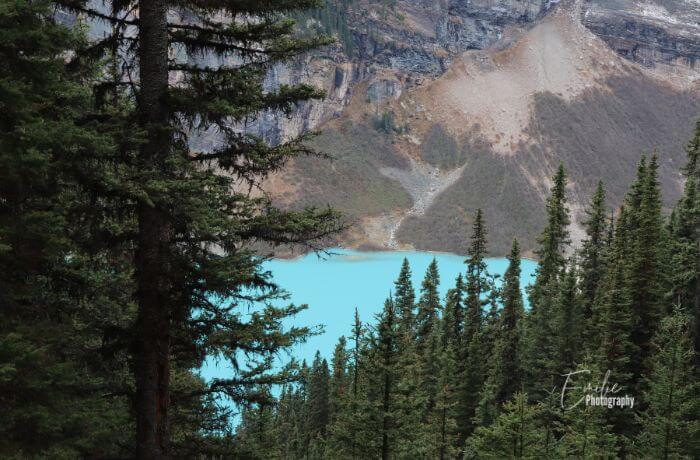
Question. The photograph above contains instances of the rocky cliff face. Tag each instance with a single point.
(662, 34)
(407, 43)
(474, 104)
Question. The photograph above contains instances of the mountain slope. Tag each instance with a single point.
(489, 131)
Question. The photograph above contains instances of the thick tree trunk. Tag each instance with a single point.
(152, 347)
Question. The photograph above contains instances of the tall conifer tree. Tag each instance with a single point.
(647, 264)
(592, 259)
(506, 373)
(428, 305)
(540, 343)
(614, 319)
(405, 297)
(473, 368)
(194, 222)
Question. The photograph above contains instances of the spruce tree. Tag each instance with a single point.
(440, 420)
(585, 431)
(453, 317)
(195, 218)
(385, 375)
(340, 381)
(671, 424)
(428, 305)
(568, 321)
(592, 260)
(404, 298)
(555, 237)
(353, 431)
(476, 277)
(539, 335)
(614, 319)
(318, 404)
(473, 368)
(647, 265)
(506, 373)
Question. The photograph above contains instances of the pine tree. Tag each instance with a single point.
(614, 320)
(539, 336)
(506, 373)
(428, 305)
(340, 380)
(646, 263)
(670, 424)
(318, 410)
(405, 297)
(473, 368)
(194, 222)
(453, 318)
(567, 322)
(592, 259)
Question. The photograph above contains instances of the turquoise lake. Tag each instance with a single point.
(333, 286)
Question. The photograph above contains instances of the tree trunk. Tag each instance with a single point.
(152, 343)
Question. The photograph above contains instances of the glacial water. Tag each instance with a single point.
(333, 286)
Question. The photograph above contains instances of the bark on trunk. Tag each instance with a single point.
(152, 347)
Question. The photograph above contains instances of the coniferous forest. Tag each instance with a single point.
(128, 258)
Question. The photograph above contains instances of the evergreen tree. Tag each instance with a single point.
(340, 380)
(385, 374)
(592, 259)
(476, 279)
(64, 295)
(440, 420)
(646, 262)
(568, 322)
(411, 402)
(318, 405)
(506, 373)
(453, 318)
(473, 369)
(404, 298)
(554, 238)
(194, 224)
(614, 319)
(428, 305)
(670, 424)
(353, 431)
(540, 346)
(585, 432)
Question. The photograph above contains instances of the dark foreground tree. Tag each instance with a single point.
(61, 291)
(195, 217)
